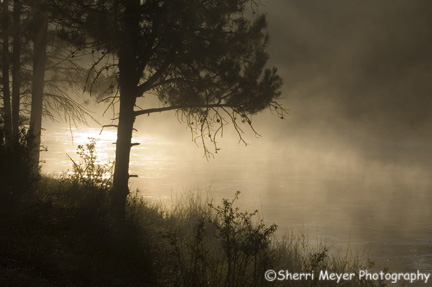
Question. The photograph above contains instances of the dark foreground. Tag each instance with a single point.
(62, 234)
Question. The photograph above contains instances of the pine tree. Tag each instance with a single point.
(204, 59)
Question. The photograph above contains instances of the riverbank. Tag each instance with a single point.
(62, 234)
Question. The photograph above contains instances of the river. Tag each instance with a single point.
(382, 210)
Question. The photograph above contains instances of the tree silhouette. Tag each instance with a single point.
(204, 59)
(40, 33)
(16, 67)
(7, 110)
(39, 70)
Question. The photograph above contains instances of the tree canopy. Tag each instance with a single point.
(205, 59)
(190, 54)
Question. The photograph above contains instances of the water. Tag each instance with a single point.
(380, 209)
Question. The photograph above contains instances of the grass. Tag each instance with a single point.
(60, 233)
(63, 235)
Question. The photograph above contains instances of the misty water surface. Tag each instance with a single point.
(339, 196)
(353, 164)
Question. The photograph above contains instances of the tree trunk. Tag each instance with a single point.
(39, 61)
(124, 137)
(16, 72)
(5, 56)
(129, 76)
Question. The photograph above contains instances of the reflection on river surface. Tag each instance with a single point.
(381, 209)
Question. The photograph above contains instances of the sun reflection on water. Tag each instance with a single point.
(64, 142)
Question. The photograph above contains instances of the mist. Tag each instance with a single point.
(357, 73)
(352, 160)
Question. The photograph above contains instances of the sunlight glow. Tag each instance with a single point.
(148, 159)
(105, 143)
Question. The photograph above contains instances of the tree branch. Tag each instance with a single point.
(156, 76)
(179, 107)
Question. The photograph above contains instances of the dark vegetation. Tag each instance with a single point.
(60, 232)
(205, 60)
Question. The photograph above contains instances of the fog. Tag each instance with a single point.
(352, 160)
(357, 71)
(357, 75)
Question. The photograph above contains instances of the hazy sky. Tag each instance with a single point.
(356, 72)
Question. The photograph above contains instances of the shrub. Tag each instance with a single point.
(18, 172)
(87, 187)
(219, 246)
(245, 243)
(295, 253)
(87, 172)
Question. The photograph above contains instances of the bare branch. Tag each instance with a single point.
(179, 107)
(92, 68)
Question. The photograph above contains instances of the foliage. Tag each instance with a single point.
(219, 245)
(17, 173)
(87, 171)
(294, 252)
(245, 244)
(65, 73)
(206, 60)
(58, 241)
(90, 180)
